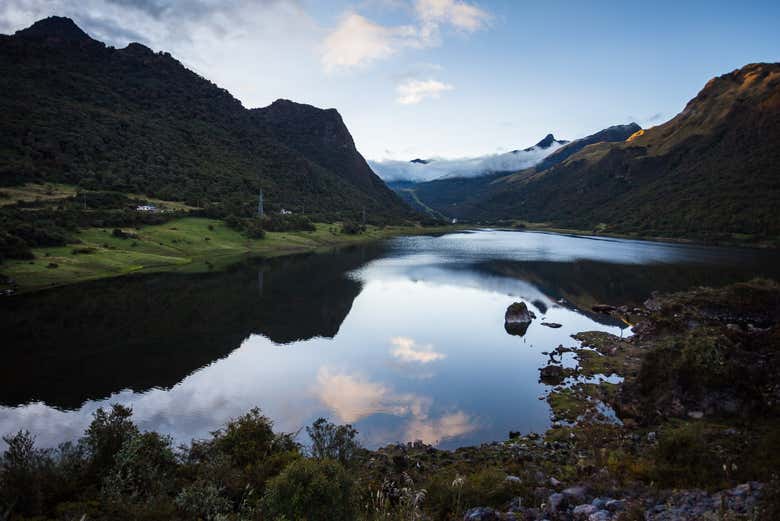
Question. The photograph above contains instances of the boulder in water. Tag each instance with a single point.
(517, 318)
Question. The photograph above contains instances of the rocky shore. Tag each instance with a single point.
(678, 421)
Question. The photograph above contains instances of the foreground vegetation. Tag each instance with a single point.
(697, 438)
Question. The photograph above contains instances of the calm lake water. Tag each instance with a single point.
(404, 339)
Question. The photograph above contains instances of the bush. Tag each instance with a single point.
(106, 435)
(310, 489)
(287, 223)
(203, 500)
(142, 469)
(21, 474)
(251, 445)
(251, 227)
(329, 441)
(352, 228)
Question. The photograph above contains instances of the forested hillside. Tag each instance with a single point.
(75, 111)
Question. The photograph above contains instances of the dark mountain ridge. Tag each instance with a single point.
(75, 111)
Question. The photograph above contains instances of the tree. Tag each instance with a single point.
(330, 441)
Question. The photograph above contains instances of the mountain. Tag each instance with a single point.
(422, 170)
(75, 111)
(710, 172)
(608, 135)
(461, 196)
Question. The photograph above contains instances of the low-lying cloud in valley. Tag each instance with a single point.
(437, 168)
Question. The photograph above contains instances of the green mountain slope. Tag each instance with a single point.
(713, 171)
(463, 197)
(75, 111)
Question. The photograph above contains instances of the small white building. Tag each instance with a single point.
(285, 212)
(147, 208)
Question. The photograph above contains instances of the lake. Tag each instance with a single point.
(404, 339)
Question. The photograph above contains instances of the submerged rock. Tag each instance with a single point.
(553, 325)
(517, 318)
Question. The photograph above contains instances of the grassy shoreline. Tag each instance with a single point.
(189, 244)
(735, 241)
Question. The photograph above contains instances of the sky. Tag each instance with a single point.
(444, 78)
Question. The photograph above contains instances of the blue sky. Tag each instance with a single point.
(444, 78)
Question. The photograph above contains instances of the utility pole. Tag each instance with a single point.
(260, 211)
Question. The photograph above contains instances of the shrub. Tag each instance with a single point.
(352, 228)
(21, 480)
(203, 500)
(329, 441)
(448, 492)
(310, 489)
(106, 435)
(142, 468)
(251, 444)
(287, 223)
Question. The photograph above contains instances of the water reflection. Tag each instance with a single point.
(405, 339)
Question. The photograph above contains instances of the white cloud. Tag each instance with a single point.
(412, 92)
(461, 15)
(358, 41)
(437, 168)
(407, 350)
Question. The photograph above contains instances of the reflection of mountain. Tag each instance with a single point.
(585, 283)
(89, 340)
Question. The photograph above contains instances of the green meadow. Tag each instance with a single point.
(189, 244)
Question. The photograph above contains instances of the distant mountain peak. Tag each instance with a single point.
(55, 27)
(546, 142)
(420, 161)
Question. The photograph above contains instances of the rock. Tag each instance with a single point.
(481, 514)
(553, 325)
(554, 482)
(615, 505)
(600, 503)
(556, 502)
(583, 511)
(575, 494)
(696, 415)
(516, 505)
(513, 479)
(601, 515)
(603, 308)
(517, 318)
(740, 490)
(551, 374)
(651, 436)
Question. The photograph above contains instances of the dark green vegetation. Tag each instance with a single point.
(710, 173)
(247, 471)
(133, 121)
